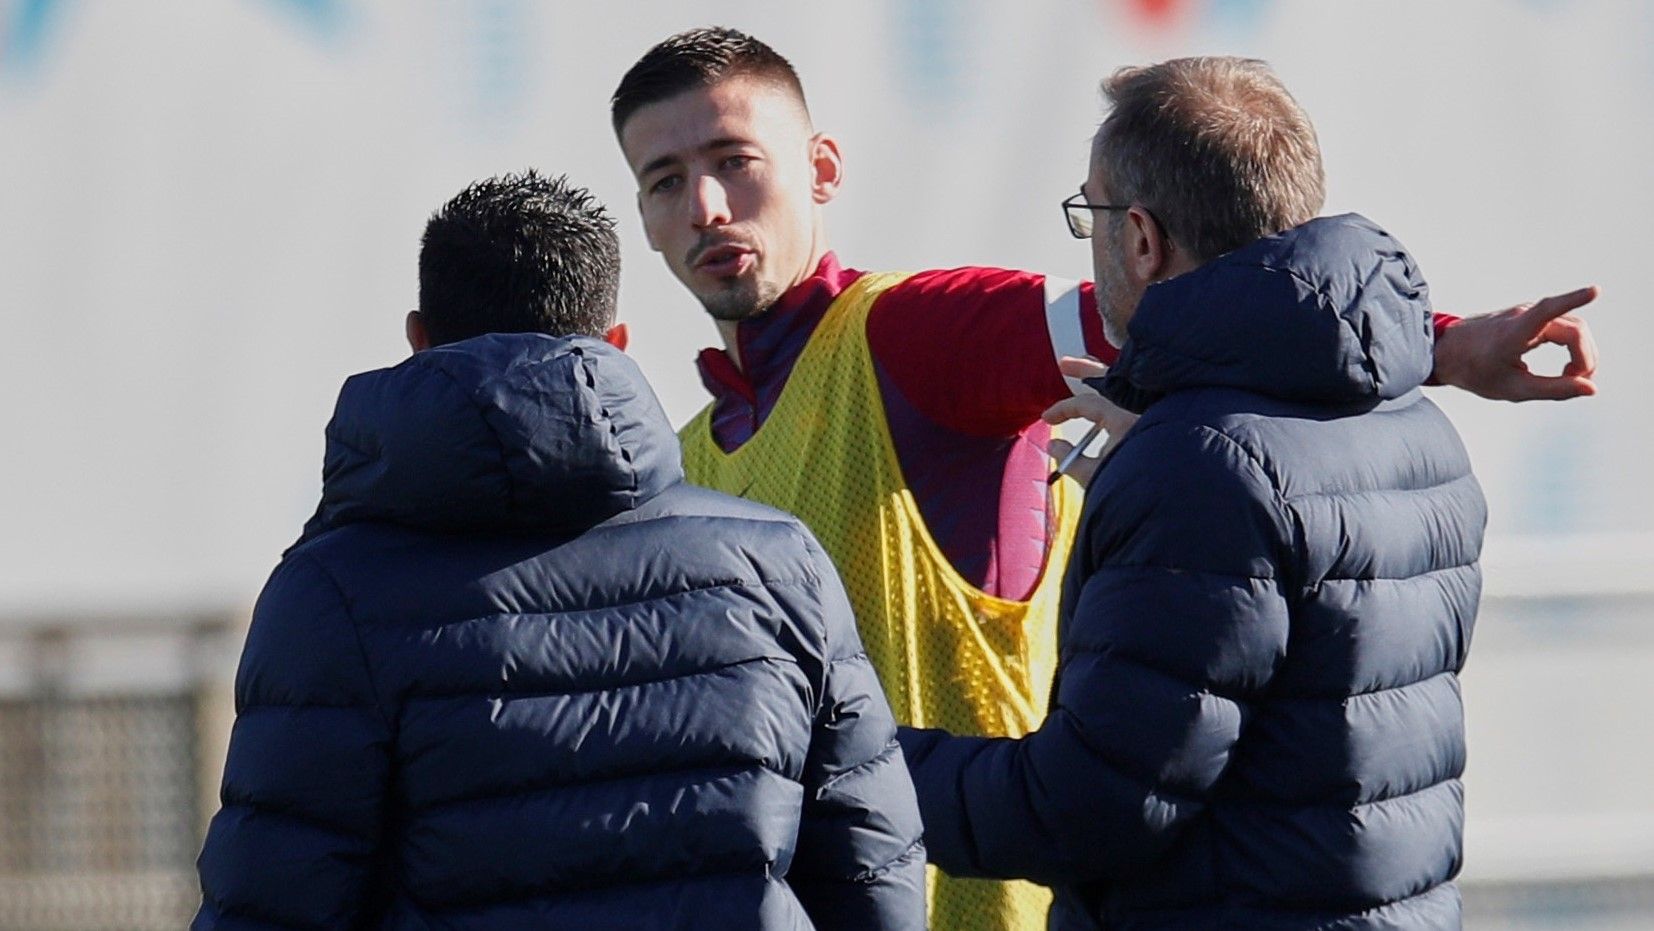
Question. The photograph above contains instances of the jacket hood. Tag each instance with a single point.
(515, 431)
(1334, 311)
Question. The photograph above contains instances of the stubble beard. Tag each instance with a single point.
(1115, 328)
(1113, 302)
(740, 300)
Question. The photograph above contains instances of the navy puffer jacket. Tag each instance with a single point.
(1257, 721)
(518, 675)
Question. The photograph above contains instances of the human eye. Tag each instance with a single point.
(737, 162)
(665, 184)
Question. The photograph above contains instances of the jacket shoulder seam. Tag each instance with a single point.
(356, 637)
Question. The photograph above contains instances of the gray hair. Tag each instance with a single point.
(1215, 148)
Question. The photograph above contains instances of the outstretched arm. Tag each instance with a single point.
(1170, 631)
(975, 349)
(1483, 354)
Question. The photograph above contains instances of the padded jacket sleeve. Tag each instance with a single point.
(860, 861)
(1175, 617)
(296, 842)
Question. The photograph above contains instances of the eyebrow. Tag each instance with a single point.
(665, 161)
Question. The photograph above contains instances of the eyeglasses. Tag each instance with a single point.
(1077, 212)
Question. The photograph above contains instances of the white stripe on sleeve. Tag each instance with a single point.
(1062, 319)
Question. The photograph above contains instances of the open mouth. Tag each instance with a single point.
(726, 260)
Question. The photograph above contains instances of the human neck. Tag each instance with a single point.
(1180, 262)
(729, 331)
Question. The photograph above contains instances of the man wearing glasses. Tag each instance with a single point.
(1256, 722)
(899, 415)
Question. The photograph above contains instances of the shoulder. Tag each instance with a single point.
(687, 500)
(1174, 447)
(767, 564)
(966, 283)
(770, 539)
(1300, 448)
(302, 645)
(1188, 489)
(1235, 437)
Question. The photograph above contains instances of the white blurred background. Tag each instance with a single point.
(210, 213)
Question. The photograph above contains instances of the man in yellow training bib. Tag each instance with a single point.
(897, 414)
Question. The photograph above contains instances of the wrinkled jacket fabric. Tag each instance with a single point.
(518, 675)
(1256, 721)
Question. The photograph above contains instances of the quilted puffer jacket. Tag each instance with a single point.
(516, 675)
(1257, 721)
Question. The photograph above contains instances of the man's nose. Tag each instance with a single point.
(709, 203)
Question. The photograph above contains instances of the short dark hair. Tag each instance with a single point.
(519, 253)
(1214, 147)
(698, 58)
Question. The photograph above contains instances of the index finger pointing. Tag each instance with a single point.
(1558, 304)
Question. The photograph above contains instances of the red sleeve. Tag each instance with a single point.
(971, 350)
(1441, 322)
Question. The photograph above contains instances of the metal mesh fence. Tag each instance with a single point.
(97, 784)
(97, 812)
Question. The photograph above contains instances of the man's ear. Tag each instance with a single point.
(419, 338)
(826, 168)
(1148, 250)
(618, 336)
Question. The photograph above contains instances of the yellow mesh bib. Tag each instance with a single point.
(948, 654)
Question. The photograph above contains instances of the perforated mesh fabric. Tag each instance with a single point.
(949, 655)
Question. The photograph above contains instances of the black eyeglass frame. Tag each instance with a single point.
(1082, 225)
